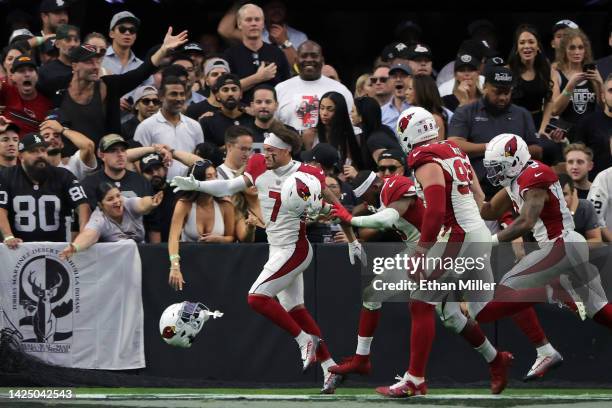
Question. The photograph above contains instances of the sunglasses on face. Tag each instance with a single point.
(382, 80)
(127, 29)
(391, 169)
(146, 101)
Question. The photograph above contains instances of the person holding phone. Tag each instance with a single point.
(576, 82)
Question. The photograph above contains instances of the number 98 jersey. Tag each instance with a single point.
(461, 209)
(37, 212)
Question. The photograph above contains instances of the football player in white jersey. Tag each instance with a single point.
(561, 264)
(290, 251)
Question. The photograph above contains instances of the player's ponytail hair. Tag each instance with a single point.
(287, 135)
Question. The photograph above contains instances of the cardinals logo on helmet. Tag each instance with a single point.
(404, 121)
(302, 189)
(510, 147)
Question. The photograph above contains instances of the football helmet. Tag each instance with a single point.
(505, 157)
(415, 125)
(301, 194)
(181, 322)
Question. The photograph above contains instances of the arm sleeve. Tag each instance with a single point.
(128, 81)
(381, 220)
(433, 218)
(222, 188)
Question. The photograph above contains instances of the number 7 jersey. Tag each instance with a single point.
(462, 214)
(38, 212)
(282, 227)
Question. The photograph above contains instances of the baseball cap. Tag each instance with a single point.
(467, 60)
(30, 141)
(150, 160)
(419, 51)
(48, 47)
(193, 47)
(561, 24)
(324, 154)
(23, 61)
(394, 50)
(48, 6)
(393, 154)
(400, 67)
(226, 79)
(143, 91)
(64, 30)
(499, 76)
(110, 140)
(11, 126)
(408, 25)
(124, 15)
(22, 33)
(478, 25)
(82, 53)
(477, 48)
(213, 63)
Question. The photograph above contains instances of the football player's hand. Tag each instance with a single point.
(356, 250)
(184, 183)
(175, 280)
(12, 242)
(338, 211)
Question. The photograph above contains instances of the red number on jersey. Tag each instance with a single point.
(277, 203)
(464, 174)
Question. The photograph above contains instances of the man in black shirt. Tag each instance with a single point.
(213, 69)
(66, 40)
(263, 106)
(146, 103)
(36, 198)
(227, 90)
(153, 169)
(113, 154)
(254, 61)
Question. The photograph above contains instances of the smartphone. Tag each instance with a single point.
(589, 67)
(550, 127)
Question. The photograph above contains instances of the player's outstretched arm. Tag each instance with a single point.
(499, 204)
(530, 212)
(217, 188)
(384, 219)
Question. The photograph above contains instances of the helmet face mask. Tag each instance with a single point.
(496, 173)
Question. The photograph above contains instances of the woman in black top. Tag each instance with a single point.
(421, 90)
(533, 88)
(575, 92)
(334, 127)
(366, 115)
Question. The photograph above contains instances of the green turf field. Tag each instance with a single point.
(307, 397)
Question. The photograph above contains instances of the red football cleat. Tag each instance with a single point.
(404, 388)
(499, 371)
(356, 364)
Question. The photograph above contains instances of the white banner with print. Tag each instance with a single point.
(85, 312)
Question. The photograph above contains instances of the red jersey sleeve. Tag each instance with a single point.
(255, 167)
(396, 188)
(315, 171)
(537, 175)
(420, 156)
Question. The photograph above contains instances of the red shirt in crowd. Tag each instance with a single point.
(27, 114)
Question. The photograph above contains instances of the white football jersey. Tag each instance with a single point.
(555, 219)
(282, 227)
(600, 195)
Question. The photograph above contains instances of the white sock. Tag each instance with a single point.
(302, 338)
(326, 364)
(487, 350)
(415, 380)
(546, 350)
(363, 345)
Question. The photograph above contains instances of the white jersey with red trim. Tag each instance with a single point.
(408, 226)
(282, 227)
(555, 219)
(462, 214)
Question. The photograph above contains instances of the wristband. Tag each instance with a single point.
(7, 238)
(494, 240)
(75, 246)
(175, 256)
(566, 93)
(40, 40)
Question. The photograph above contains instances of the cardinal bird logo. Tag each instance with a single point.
(302, 189)
(403, 122)
(510, 148)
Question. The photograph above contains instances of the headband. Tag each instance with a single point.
(275, 141)
(363, 187)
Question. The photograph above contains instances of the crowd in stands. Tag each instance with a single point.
(123, 125)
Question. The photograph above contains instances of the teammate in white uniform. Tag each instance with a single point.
(561, 264)
(600, 195)
(290, 251)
